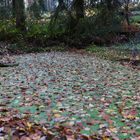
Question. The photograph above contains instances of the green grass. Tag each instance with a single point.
(135, 18)
(115, 52)
(108, 53)
(129, 46)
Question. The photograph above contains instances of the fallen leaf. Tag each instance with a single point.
(25, 138)
(57, 115)
(130, 117)
(15, 138)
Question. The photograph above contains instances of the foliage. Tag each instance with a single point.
(100, 19)
(135, 19)
(35, 10)
(102, 22)
(5, 13)
(86, 27)
(108, 20)
(37, 27)
(58, 25)
(8, 30)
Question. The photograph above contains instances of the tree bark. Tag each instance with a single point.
(126, 11)
(127, 14)
(13, 9)
(20, 15)
(79, 9)
(61, 4)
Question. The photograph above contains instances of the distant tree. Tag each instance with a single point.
(13, 8)
(61, 4)
(41, 4)
(35, 9)
(61, 7)
(5, 9)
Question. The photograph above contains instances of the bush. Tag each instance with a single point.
(37, 27)
(8, 30)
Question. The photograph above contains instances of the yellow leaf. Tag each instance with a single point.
(105, 138)
(57, 115)
(29, 125)
(130, 117)
(112, 129)
(21, 129)
(54, 111)
(110, 110)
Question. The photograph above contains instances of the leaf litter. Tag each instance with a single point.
(67, 96)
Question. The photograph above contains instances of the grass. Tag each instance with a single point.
(135, 18)
(108, 53)
(118, 52)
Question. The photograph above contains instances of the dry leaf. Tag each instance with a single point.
(29, 126)
(25, 138)
(57, 115)
(15, 138)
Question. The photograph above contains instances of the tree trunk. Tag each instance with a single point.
(126, 11)
(127, 14)
(20, 15)
(13, 9)
(79, 9)
(61, 4)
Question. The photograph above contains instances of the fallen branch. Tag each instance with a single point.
(8, 64)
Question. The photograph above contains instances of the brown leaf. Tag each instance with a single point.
(15, 138)
(105, 116)
(83, 137)
(67, 131)
(35, 136)
(25, 138)
(29, 126)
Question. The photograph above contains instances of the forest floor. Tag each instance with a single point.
(67, 96)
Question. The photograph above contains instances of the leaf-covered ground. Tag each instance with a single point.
(83, 93)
